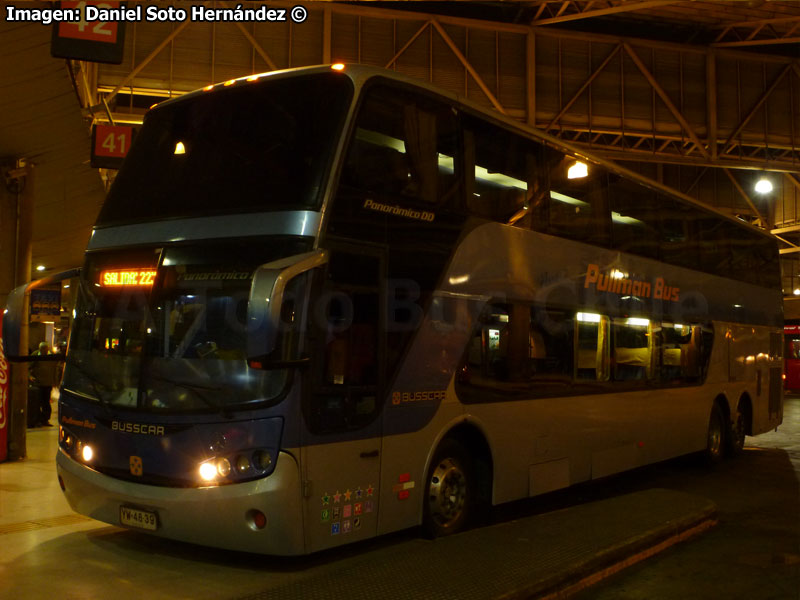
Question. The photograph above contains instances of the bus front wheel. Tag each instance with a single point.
(449, 490)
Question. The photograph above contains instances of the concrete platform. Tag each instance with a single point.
(46, 551)
(551, 555)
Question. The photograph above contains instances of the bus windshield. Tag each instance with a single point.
(262, 146)
(165, 329)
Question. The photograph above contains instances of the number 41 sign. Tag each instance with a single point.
(110, 145)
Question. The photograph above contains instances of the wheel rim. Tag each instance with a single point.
(715, 436)
(448, 492)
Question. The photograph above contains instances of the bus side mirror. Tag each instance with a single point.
(266, 299)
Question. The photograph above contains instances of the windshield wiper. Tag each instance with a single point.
(93, 381)
(196, 387)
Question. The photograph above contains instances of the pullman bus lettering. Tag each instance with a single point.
(617, 282)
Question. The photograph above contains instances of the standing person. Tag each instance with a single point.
(43, 376)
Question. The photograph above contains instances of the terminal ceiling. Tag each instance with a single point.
(703, 95)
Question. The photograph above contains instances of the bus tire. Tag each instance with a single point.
(738, 429)
(450, 490)
(715, 438)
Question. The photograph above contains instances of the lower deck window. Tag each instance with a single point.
(521, 350)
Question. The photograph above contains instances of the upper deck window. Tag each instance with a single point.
(255, 147)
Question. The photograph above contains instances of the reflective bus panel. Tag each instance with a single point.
(322, 305)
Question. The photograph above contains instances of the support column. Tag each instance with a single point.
(16, 232)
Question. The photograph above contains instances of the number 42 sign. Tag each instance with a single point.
(95, 41)
(110, 145)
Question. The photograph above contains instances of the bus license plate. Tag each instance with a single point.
(141, 519)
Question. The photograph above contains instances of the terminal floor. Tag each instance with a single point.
(47, 551)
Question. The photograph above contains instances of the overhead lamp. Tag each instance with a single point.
(796, 292)
(40, 267)
(180, 148)
(763, 186)
(577, 170)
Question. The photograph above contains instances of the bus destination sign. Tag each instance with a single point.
(122, 277)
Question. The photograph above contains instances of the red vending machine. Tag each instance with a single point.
(5, 386)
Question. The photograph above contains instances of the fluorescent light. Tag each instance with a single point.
(588, 317)
(567, 199)
(637, 322)
(618, 218)
(40, 267)
(499, 179)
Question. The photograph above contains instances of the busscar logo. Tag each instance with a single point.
(425, 396)
(140, 428)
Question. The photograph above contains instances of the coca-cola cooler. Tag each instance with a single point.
(5, 387)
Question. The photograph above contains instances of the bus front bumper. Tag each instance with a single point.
(219, 516)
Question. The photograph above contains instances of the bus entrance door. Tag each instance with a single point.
(341, 456)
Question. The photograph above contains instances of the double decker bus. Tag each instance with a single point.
(324, 304)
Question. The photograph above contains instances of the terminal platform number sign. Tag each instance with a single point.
(93, 41)
(94, 31)
(110, 144)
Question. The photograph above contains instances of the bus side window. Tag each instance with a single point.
(505, 173)
(496, 354)
(550, 353)
(591, 347)
(404, 147)
(677, 239)
(634, 218)
(348, 353)
(685, 353)
(577, 207)
(633, 344)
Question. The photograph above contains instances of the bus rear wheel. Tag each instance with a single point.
(449, 490)
(715, 440)
(738, 430)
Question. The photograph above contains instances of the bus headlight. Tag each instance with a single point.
(223, 466)
(262, 460)
(208, 471)
(87, 453)
(242, 463)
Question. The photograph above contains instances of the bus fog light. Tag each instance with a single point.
(242, 463)
(223, 467)
(262, 460)
(208, 472)
(256, 519)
